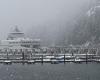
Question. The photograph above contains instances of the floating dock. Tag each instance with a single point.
(31, 57)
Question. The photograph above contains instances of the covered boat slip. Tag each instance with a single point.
(28, 55)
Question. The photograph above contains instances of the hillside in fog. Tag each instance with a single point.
(58, 20)
(87, 28)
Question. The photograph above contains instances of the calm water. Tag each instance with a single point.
(69, 71)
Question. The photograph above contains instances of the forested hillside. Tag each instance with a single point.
(87, 27)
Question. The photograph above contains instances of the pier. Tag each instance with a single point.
(10, 56)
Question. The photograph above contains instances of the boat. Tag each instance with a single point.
(31, 61)
(7, 62)
(54, 61)
(78, 60)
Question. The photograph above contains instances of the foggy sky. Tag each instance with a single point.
(37, 14)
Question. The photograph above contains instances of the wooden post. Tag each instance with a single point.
(7, 54)
(31, 55)
(64, 59)
(23, 57)
(97, 53)
(87, 56)
(42, 59)
(22, 54)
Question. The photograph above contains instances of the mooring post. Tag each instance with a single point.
(87, 57)
(7, 54)
(42, 58)
(31, 55)
(64, 59)
(23, 57)
(22, 54)
(97, 53)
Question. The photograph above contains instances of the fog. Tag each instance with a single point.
(44, 19)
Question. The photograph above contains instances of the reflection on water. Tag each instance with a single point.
(69, 71)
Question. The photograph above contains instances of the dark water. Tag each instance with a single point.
(69, 71)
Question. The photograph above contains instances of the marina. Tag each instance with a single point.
(49, 39)
(18, 48)
(32, 58)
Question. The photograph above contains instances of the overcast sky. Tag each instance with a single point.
(27, 14)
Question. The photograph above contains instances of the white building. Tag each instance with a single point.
(17, 38)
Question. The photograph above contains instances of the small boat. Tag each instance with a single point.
(30, 61)
(78, 60)
(49, 57)
(7, 62)
(60, 58)
(54, 61)
(98, 61)
(46, 60)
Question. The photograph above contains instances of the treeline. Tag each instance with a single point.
(87, 28)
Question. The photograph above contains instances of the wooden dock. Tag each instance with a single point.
(53, 60)
(31, 57)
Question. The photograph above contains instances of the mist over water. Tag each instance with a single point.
(51, 21)
(58, 19)
(48, 20)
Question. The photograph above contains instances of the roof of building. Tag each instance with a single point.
(16, 33)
